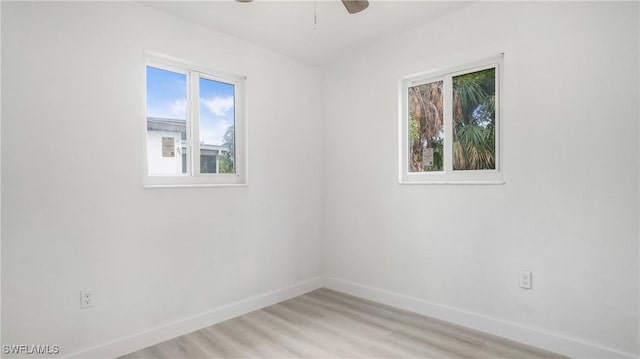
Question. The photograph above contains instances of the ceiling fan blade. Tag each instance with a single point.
(355, 6)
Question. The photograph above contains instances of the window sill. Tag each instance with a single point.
(451, 182)
(194, 185)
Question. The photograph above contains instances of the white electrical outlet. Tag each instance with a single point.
(525, 280)
(86, 299)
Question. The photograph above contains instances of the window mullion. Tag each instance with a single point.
(448, 123)
(195, 123)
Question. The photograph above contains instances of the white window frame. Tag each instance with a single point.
(448, 175)
(193, 177)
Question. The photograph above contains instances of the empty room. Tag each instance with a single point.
(320, 179)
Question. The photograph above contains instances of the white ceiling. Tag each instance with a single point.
(287, 27)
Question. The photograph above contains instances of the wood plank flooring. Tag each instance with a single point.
(329, 324)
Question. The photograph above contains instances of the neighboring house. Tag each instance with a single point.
(167, 146)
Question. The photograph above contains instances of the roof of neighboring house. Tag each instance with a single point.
(174, 125)
(166, 124)
(206, 149)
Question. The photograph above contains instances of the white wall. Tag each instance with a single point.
(75, 213)
(569, 209)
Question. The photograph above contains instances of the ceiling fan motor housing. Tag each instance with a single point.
(355, 6)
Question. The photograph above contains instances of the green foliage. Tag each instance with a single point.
(227, 160)
(225, 163)
(414, 129)
(474, 112)
(474, 121)
(229, 140)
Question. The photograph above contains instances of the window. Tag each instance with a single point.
(195, 126)
(450, 125)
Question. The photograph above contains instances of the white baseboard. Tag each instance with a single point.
(553, 342)
(175, 329)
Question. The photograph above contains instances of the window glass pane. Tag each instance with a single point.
(217, 124)
(426, 131)
(474, 114)
(166, 122)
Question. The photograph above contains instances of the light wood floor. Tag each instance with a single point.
(328, 324)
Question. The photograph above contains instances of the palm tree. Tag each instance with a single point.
(474, 121)
(426, 125)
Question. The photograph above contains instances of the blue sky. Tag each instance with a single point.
(167, 98)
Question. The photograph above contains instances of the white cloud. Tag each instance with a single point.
(178, 108)
(214, 134)
(218, 106)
